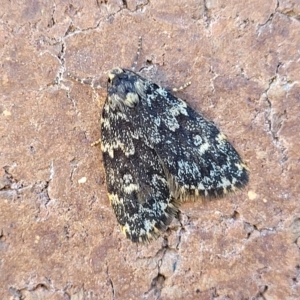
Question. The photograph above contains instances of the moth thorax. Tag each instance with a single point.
(131, 100)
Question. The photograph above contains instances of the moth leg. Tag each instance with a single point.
(181, 87)
(137, 54)
(96, 143)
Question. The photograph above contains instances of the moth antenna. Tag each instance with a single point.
(137, 54)
(181, 87)
(86, 81)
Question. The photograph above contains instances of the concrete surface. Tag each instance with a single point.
(59, 238)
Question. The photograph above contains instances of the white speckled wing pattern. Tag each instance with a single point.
(156, 150)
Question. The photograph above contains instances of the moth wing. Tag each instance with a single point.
(197, 156)
(137, 186)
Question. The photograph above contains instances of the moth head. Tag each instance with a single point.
(121, 88)
(112, 74)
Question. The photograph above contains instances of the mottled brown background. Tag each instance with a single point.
(59, 238)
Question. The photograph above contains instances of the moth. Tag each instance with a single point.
(157, 151)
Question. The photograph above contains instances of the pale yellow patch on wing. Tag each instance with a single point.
(131, 100)
(128, 189)
(109, 148)
(204, 147)
(244, 166)
(221, 138)
(125, 228)
(113, 198)
(105, 122)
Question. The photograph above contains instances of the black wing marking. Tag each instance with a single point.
(138, 188)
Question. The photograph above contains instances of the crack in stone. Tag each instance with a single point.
(41, 190)
(274, 127)
(214, 292)
(61, 59)
(261, 293)
(52, 22)
(206, 14)
(157, 282)
(156, 286)
(16, 293)
(271, 16)
(28, 291)
(10, 187)
(141, 5)
(41, 187)
(290, 13)
(13, 189)
(99, 2)
(74, 165)
(296, 278)
(111, 283)
(181, 231)
(263, 231)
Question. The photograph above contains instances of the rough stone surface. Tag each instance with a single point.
(59, 238)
